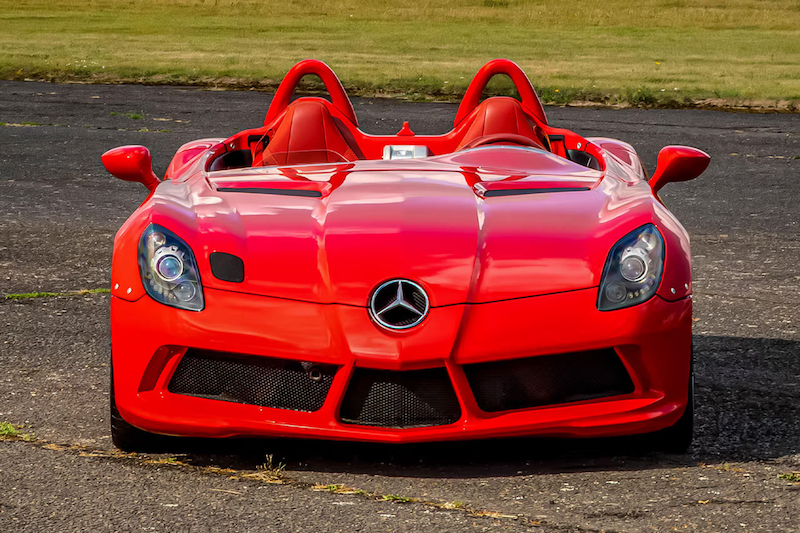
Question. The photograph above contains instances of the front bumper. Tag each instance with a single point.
(653, 341)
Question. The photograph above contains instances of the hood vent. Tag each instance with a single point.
(280, 192)
(276, 185)
(516, 192)
(489, 189)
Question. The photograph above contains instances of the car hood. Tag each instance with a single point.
(333, 233)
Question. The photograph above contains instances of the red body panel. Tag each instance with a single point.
(653, 340)
(508, 242)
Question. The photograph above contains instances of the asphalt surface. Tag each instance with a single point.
(59, 210)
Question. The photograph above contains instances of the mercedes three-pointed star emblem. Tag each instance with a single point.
(399, 304)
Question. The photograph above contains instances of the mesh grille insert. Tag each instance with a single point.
(547, 380)
(268, 382)
(415, 398)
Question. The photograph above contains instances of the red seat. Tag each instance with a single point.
(309, 134)
(500, 115)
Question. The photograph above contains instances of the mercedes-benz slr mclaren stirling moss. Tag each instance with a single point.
(306, 279)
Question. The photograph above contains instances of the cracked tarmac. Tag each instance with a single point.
(59, 210)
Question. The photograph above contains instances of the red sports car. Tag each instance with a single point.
(306, 279)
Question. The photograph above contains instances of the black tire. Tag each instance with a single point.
(678, 437)
(125, 436)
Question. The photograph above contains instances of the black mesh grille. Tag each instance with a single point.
(263, 381)
(414, 398)
(547, 380)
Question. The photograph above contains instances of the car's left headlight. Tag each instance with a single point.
(169, 270)
(633, 269)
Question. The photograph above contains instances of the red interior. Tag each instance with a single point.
(315, 130)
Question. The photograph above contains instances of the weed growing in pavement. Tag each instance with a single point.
(132, 116)
(25, 295)
(727, 467)
(9, 431)
(271, 468)
(456, 504)
(340, 489)
(397, 499)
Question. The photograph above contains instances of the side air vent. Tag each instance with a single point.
(517, 192)
(407, 399)
(279, 192)
(264, 381)
(227, 267)
(547, 380)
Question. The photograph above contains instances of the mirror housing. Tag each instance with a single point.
(131, 163)
(678, 163)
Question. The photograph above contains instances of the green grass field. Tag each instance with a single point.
(649, 52)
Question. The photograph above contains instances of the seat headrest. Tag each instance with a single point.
(308, 133)
(496, 115)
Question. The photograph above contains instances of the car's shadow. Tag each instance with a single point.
(748, 402)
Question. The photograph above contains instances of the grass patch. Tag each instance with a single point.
(173, 461)
(7, 429)
(132, 116)
(26, 295)
(10, 432)
(328, 488)
(340, 489)
(397, 499)
(645, 53)
(727, 467)
(25, 124)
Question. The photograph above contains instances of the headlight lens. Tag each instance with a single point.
(633, 269)
(169, 270)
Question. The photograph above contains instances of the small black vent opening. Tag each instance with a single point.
(415, 398)
(264, 381)
(548, 380)
(227, 267)
(279, 192)
(518, 192)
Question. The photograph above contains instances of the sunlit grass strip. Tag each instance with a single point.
(26, 295)
(649, 52)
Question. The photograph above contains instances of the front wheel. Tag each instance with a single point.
(125, 436)
(678, 437)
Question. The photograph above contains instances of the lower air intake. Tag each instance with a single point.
(415, 398)
(268, 382)
(548, 380)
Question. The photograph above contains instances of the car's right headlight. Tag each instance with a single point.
(633, 269)
(169, 270)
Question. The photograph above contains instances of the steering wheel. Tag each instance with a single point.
(501, 138)
(530, 101)
(332, 84)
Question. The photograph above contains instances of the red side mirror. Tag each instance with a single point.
(131, 163)
(678, 163)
